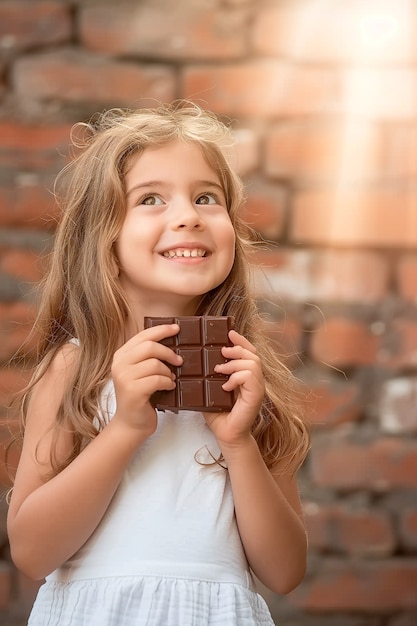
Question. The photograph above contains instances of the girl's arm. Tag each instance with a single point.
(49, 520)
(268, 508)
(269, 518)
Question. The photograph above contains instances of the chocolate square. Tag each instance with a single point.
(199, 342)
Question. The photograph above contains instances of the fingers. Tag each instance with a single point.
(145, 369)
(145, 345)
(240, 372)
(243, 366)
(240, 340)
(143, 365)
(238, 354)
(156, 333)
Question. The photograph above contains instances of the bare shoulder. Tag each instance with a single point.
(63, 361)
(43, 406)
(47, 394)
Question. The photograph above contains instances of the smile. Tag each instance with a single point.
(184, 252)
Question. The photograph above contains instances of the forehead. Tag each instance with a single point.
(177, 159)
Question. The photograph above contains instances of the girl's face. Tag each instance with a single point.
(177, 241)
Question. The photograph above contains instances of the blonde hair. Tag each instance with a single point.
(82, 297)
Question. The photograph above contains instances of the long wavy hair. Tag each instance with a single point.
(81, 296)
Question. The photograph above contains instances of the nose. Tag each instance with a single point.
(187, 217)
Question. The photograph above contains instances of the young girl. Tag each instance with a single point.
(137, 516)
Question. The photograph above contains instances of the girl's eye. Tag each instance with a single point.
(151, 200)
(207, 198)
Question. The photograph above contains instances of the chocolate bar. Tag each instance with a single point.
(199, 342)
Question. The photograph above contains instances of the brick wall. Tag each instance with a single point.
(323, 94)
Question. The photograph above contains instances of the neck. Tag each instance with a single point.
(158, 309)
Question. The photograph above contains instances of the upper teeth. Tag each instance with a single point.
(184, 252)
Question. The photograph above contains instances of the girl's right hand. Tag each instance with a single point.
(139, 369)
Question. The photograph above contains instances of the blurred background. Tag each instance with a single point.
(322, 95)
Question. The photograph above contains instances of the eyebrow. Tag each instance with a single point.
(159, 183)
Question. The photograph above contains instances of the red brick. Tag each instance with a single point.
(337, 528)
(286, 337)
(342, 342)
(12, 380)
(336, 151)
(73, 76)
(25, 265)
(397, 406)
(407, 276)
(26, 594)
(261, 88)
(370, 217)
(24, 23)
(192, 31)
(331, 401)
(16, 319)
(408, 528)
(324, 276)
(283, 273)
(380, 465)
(2, 77)
(29, 205)
(350, 276)
(374, 587)
(34, 146)
(404, 619)
(402, 349)
(304, 31)
(278, 89)
(264, 211)
(245, 158)
(5, 584)
(8, 465)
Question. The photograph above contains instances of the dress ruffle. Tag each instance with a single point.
(148, 600)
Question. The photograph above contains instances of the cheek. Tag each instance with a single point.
(122, 246)
(230, 246)
(131, 231)
(118, 244)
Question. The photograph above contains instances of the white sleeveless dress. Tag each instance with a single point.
(167, 552)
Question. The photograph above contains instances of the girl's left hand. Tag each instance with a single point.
(246, 379)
